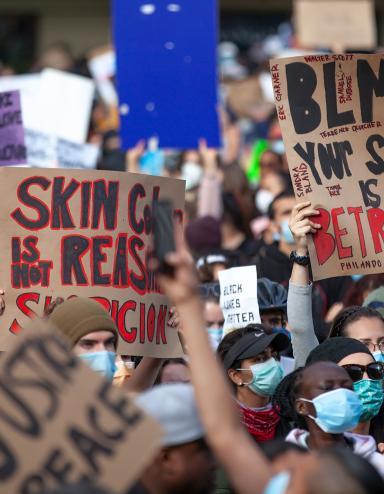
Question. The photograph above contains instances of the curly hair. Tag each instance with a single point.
(349, 315)
(285, 396)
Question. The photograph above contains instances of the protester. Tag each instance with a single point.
(173, 371)
(247, 468)
(320, 400)
(249, 358)
(93, 336)
(184, 464)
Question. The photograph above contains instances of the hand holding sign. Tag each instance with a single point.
(301, 225)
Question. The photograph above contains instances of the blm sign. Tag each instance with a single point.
(85, 233)
(330, 109)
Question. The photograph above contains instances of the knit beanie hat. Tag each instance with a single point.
(79, 316)
(335, 349)
(203, 234)
(375, 300)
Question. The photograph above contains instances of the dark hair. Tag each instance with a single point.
(355, 467)
(231, 338)
(166, 362)
(286, 194)
(355, 294)
(284, 398)
(349, 315)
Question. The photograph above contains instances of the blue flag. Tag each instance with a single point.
(166, 71)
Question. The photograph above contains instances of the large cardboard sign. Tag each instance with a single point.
(12, 139)
(61, 423)
(85, 233)
(238, 297)
(335, 24)
(330, 109)
(166, 71)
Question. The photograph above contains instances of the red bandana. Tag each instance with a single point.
(261, 424)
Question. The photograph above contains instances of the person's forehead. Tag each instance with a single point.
(357, 358)
(366, 328)
(101, 335)
(284, 205)
(322, 371)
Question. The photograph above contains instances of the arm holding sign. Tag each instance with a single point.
(209, 196)
(230, 442)
(299, 306)
(132, 159)
(145, 375)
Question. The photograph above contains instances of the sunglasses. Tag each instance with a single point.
(375, 371)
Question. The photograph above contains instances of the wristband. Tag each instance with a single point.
(301, 260)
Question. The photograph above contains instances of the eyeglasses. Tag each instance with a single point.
(210, 289)
(375, 370)
(372, 346)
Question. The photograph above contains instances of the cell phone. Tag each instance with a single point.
(163, 234)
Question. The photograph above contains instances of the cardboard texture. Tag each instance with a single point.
(61, 423)
(12, 138)
(330, 109)
(85, 233)
(335, 24)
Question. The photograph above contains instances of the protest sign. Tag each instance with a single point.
(102, 66)
(12, 139)
(48, 151)
(166, 71)
(85, 233)
(238, 297)
(330, 109)
(335, 24)
(62, 423)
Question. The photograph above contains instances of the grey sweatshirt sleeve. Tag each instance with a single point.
(299, 311)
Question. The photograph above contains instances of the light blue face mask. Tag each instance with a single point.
(266, 377)
(337, 411)
(357, 277)
(286, 233)
(278, 484)
(101, 362)
(378, 356)
(215, 336)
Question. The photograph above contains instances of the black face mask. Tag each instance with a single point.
(113, 160)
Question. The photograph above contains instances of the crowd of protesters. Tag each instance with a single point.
(234, 419)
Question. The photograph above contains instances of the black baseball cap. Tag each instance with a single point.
(253, 344)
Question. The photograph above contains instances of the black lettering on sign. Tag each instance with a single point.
(120, 265)
(32, 202)
(377, 166)
(5, 100)
(98, 257)
(301, 84)
(335, 119)
(8, 461)
(368, 84)
(135, 193)
(85, 204)
(73, 248)
(105, 201)
(61, 214)
(370, 198)
(333, 159)
(120, 405)
(90, 448)
(138, 281)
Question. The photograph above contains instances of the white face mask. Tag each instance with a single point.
(263, 200)
(192, 173)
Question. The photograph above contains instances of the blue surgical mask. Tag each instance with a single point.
(357, 277)
(101, 362)
(266, 377)
(215, 337)
(337, 411)
(370, 392)
(278, 484)
(378, 356)
(286, 233)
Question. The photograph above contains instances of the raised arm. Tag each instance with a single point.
(299, 307)
(245, 464)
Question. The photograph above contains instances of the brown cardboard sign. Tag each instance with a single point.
(61, 423)
(330, 109)
(345, 24)
(71, 233)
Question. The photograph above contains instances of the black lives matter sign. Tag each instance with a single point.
(85, 233)
(60, 423)
(330, 109)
